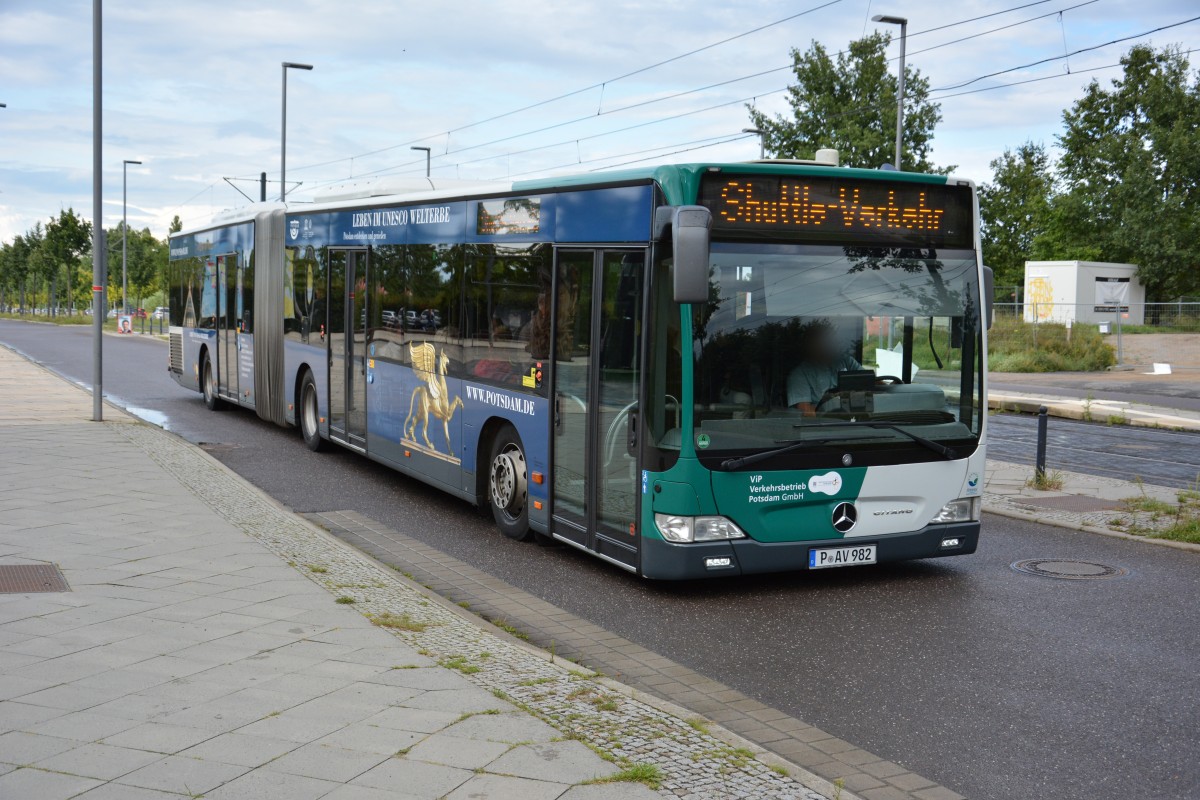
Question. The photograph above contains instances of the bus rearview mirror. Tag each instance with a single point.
(690, 227)
(989, 295)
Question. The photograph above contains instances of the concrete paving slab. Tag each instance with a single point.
(240, 749)
(464, 701)
(426, 677)
(263, 784)
(157, 737)
(453, 752)
(415, 778)
(18, 747)
(417, 720)
(35, 783)
(117, 791)
(100, 761)
(566, 762)
(328, 762)
(352, 792)
(16, 716)
(368, 738)
(83, 726)
(506, 787)
(299, 730)
(510, 728)
(187, 776)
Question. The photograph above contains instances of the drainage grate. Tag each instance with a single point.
(1068, 569)
(26, 578)
(1076, 503)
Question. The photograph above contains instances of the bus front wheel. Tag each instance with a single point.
(508, 485)
(208, 385)
(309, 414)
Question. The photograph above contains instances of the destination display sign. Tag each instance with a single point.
(830, 210)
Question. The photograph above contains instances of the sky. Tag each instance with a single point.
(193, 89)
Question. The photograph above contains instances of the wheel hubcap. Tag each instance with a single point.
(508, 484)
(310, 412)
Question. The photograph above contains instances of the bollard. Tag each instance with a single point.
(1040, 469)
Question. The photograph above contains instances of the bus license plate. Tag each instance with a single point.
(841, 556)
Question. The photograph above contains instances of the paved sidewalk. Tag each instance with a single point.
(1083, 502)
(213, 644)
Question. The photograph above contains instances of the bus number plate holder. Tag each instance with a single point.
(826, 557)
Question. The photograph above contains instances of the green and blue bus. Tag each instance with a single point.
(691, 370)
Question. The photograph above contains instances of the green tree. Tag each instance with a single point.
(68, 237)
(149, 267)
(850, 103)
(176, 225)
(1130, 172)
(37, 267)
(1013, 210)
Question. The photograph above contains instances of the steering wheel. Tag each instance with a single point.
(830, 394)
(891, 378)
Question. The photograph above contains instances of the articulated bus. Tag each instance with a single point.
(692, 370)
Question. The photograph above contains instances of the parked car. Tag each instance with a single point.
(161, 312)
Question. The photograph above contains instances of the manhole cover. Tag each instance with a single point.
(1068, 569)
(27, 578)
(1072, 502)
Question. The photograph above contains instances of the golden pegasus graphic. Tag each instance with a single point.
(433, 398)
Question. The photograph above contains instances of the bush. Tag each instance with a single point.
(1018, 346)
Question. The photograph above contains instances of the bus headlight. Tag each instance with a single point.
(677, 528)
(964, 509)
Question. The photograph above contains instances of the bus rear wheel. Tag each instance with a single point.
(308, 413)
(508, 485)
(208, 385)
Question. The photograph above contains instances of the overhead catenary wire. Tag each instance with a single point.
(601, 84)
(582, 90)
(653, 101)
(759, 94)
(1068, 55)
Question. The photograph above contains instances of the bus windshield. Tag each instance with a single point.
(802, 342)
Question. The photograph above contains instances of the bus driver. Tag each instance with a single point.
(824, 356)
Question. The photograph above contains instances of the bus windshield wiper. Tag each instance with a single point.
(941, 449)
(789, 446)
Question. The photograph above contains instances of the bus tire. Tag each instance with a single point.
(308, 413)
(208, 385)
(508, 485)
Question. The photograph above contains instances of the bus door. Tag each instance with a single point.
(227, 332)
(347, 337)
(595, 373)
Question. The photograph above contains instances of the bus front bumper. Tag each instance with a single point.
(663, 560)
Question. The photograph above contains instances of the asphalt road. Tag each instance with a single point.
(995, 683)
(1165, 458)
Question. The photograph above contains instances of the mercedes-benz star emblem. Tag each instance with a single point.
(845, 517)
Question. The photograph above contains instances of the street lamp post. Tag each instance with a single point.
(762, 141)
(283, 130)
(124, 232)
(903, 23)
(99, 256)
(426, 149)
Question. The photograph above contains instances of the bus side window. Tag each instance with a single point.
(503, 283)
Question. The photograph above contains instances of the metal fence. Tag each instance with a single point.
(1141, 334)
